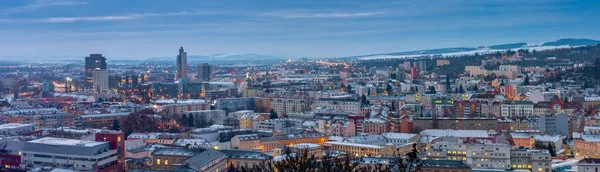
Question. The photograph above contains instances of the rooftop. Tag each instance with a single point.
(171, 101)
(176, 151)
(444, 163)
(398, 135)
(248, 137)
(292, 136)
(243, 154)
(104, 115)
(589, 161)
(14, 125)
(203, 158)
(66, 142)
(306, 145)
(354, 144)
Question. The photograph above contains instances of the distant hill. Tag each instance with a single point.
(424, 52)
(508, 46)
(572, 42)
(561, 43)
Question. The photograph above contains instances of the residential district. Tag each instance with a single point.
(505, 111)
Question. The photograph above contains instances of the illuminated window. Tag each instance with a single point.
(540, 169)
(529, 166)
(157, 161)
(119, 139)
(166, 162)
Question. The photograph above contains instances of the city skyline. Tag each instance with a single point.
(138, 30)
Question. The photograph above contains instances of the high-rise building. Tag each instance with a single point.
(100, 78)
(399, 73)
(181, 64)
(205, 72)
(415, 73)
(94, 62)
(422, 65)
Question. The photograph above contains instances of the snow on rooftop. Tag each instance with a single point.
(13, 125)
(590, 128)
(431, 134)
(354, 144)
(538, 137)
(403, 136)
(66, 142)
(306, 145)
(590, 137)
(171, 101)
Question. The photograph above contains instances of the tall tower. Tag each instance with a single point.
(181, 65)
(94, 62)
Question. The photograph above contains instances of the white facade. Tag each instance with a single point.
(517, 108)
(494, 156)
(284, 106)
(352, 107)
(364, 90)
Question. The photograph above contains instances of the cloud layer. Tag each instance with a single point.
(139, 28)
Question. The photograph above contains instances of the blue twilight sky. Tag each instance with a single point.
(137, 29)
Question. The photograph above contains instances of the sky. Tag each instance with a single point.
(139, 29)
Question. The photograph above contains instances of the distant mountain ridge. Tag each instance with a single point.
(572, 42)
(561, 43)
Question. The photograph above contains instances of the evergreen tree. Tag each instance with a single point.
(461, 89)
(116, 125)
(183, 120)
(273, 115)
(526, 80)
(432, 90)
(551, 150)
(191, 121)
(349, 87)
(389, 89)
(448, 83)
(363, 99)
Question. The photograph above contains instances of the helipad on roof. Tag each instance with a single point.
(66, 142)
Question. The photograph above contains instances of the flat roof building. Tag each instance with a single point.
(80, 155)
